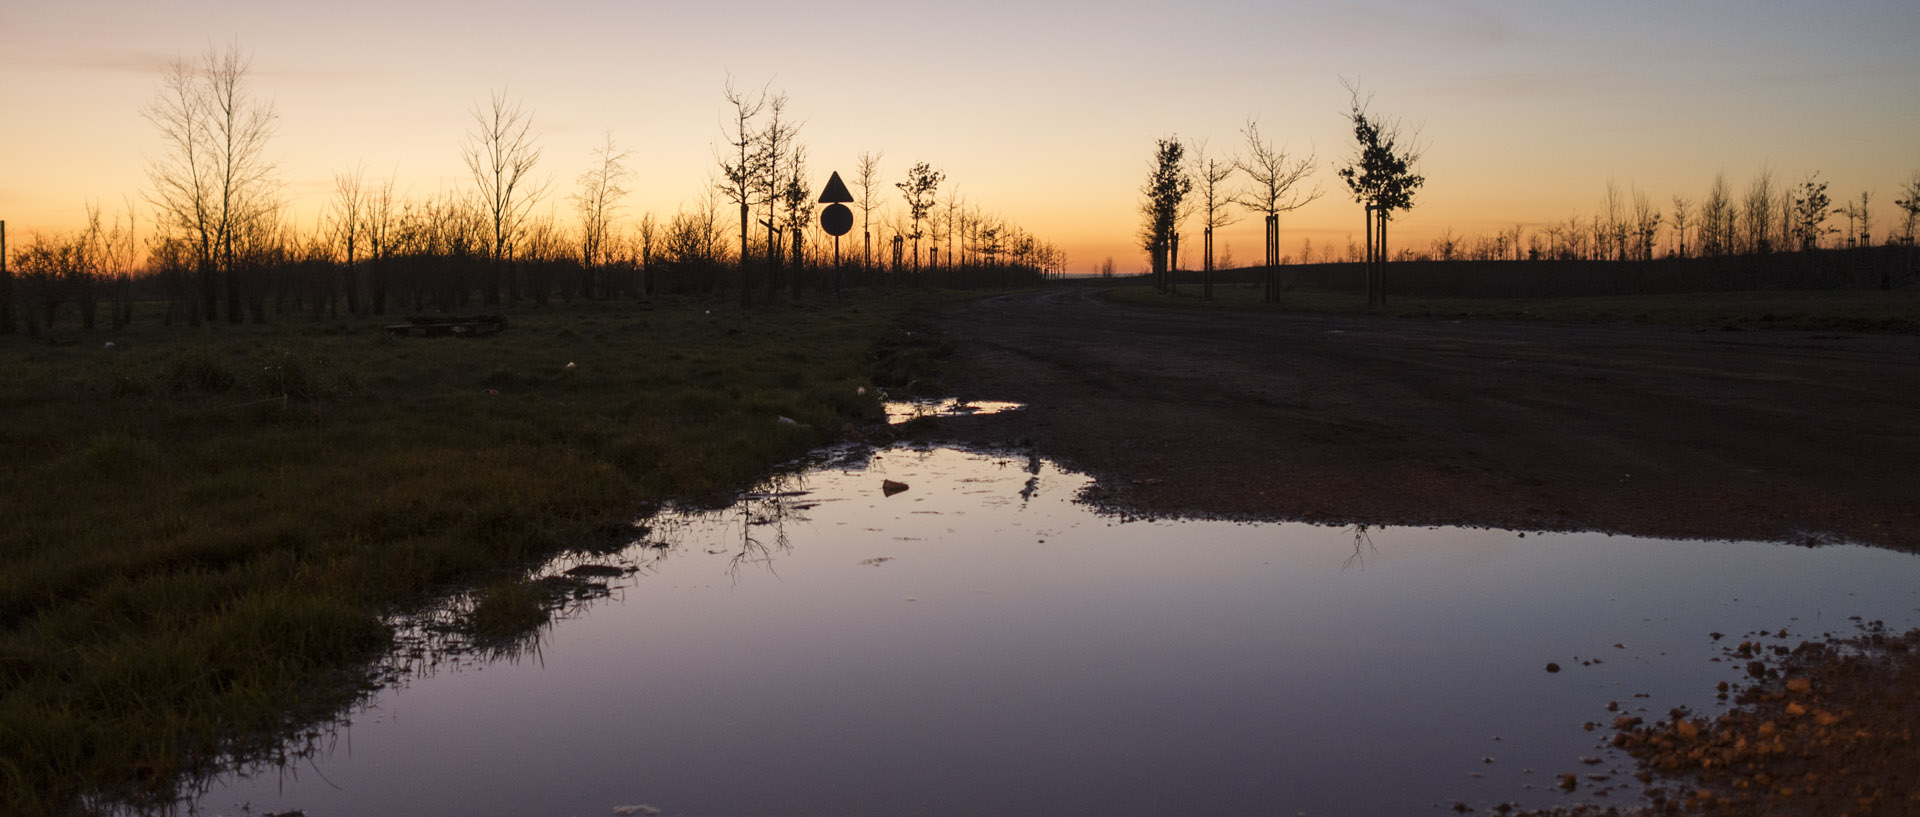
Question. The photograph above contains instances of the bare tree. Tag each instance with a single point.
(6, 286)
(866, 175)
(1866, 221)
(381, 221)
(1646, 226)
(1756, 211)
(1682, 216)
(1210, 175)
(501, 152)
(1275, 185)
(1717, 219)
(348, 216)
(775, 142)
(601, 189)
(214, 179)
(741, 169)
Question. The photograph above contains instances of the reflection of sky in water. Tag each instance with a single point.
(904, 410)
(1027, 657)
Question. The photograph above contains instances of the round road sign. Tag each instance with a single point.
(836, 219)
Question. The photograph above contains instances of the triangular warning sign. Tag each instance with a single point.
(835, 191)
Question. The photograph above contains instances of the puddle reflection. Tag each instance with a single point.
(980, 642)
(907, 410)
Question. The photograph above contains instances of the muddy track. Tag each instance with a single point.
(1641, 430)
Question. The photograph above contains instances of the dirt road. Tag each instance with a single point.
(1642, 430)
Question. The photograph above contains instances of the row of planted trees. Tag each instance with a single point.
(1184, 182)
(221, 245)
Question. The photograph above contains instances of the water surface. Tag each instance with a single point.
(980, 643)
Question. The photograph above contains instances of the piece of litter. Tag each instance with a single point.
(570, 364)
(913, 598)
(787, 421)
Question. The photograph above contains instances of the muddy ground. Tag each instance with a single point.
(1650, 431)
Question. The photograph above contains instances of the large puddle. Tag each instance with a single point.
(980, 644)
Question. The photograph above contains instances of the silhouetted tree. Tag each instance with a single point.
(1717, 219)
(1756, 212)
(1646, 226)
(1211, 175)
(597, 201)
(213, 181)
(6, 286)
(1274, 185)
(774, 145)
(1165, 190)
(922, 183)
(1811, 207)
(1910, 205)
(866, 175)
(741, 170)
(1381, 178)
(501, 152)
(796, 195)
(1682, 216)
(348, 217)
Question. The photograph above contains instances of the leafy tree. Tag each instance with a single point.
(1910, 206)
(1166, 189)
(922, 183)
(1811, 208)
(1381, 178)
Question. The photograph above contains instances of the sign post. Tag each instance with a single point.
(836, 219)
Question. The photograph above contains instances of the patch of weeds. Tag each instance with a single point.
(120, 455)
(199, 370)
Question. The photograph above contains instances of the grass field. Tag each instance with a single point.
(203, 527)
(1836, 310)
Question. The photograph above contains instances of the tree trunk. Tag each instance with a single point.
(1383, 257)
(1206, 275)
(6, 286)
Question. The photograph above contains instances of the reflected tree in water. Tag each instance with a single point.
(1362, 548)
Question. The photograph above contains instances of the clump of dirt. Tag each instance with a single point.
(1825, 728)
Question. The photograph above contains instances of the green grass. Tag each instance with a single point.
(203, 527)
(1823, 310)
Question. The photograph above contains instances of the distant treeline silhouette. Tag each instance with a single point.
(221, 246)
(1879, 267)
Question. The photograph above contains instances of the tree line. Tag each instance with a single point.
(220, 244)
(1382, 177)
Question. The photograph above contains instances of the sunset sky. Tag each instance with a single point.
(1045, 113)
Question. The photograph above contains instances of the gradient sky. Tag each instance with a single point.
(1043, 112)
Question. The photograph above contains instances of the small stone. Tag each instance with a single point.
(1552, 667)
(889, 487)
(1800, 685)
